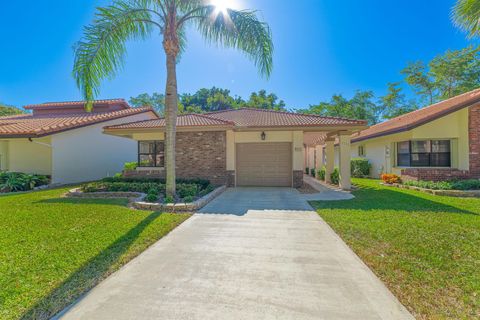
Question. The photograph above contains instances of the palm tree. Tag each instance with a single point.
(466, 16)
(101, 51)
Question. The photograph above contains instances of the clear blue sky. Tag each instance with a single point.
(322, 48)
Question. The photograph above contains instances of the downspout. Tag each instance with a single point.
(40, 143)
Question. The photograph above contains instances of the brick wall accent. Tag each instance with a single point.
(297, 178)
(231, 178)
(474, 140)
(434, 174)
(198, 155)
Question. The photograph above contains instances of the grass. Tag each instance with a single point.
(53, 249)
(425, 248)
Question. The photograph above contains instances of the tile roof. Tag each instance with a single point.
(245, 118)
(76, 103)
(186, 120)
(419, 117)
(248, 117)
(30, 126)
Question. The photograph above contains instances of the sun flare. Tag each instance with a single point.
(223, 5)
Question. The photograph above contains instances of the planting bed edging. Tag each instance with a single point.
(136, 200)
(172, 207)
(449, 193)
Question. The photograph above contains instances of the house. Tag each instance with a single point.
(65, 142)
(435, 143)
(243, 147)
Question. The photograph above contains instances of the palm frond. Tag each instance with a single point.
(239, 29)
(466, 16)
(100, 54)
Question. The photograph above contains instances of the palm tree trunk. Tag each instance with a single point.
(171, 107)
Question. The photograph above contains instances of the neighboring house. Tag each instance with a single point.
(244, 147)
(439, 142)
(65, 142)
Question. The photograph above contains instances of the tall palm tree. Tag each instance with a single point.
(101, 51)
(466, 16)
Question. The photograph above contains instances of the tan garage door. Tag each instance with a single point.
(264, 164)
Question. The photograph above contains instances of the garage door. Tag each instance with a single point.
(264, 164)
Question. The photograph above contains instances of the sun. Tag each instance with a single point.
(221, 6)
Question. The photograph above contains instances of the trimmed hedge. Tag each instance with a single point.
(471, 184)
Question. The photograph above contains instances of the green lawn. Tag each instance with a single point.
(53, 249)
(425, 248)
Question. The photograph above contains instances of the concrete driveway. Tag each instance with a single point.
(263, 264)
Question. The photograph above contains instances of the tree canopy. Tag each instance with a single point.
(208, 100)
(6, 110)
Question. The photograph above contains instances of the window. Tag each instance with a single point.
(424, 153)
(361, 151)
(151, 154)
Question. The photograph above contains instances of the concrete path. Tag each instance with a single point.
(265, 264)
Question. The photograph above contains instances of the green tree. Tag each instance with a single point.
(156, 101)
(262, 100)
(100, 54)
(394, 103)
(361, 106)
(466, 16)
(450, 74)
(6, 110)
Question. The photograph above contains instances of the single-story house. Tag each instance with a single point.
(435, 143)
(244, 147)
(65, 142)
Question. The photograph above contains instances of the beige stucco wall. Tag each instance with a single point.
(29, 157)
(86, 154)
(295, 137)
(453, 127)
(3, 155)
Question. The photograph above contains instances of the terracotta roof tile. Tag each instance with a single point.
(186, 120)
(419, 117)
(245, 118)
(76, 103)
(248, 117)
(31, 126)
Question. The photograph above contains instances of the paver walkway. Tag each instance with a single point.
(263, 264)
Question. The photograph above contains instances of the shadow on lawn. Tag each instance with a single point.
(110, 201)
(89, 275)
(371, 198)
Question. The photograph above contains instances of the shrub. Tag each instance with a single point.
(188, 199)
(123, 187)
(312, 172)
(17, 181)
(168, 199)
(321, 174)
(389, 178)
(472, 184)
(152, 196)
(187, 190)
(335, 176)
(206, 191)
(307, 170)
(130, 166)
(360, 167)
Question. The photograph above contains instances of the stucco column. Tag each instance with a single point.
(319, 163)
(330, 154)
(345, 156)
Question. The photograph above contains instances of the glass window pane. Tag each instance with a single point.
(441, 146)
(146, 147)
(440, 159)
(420, 160)
(403, 160)
(160, 146)
(146, 160)
(160, 160)
(420, 146)
(403, 147)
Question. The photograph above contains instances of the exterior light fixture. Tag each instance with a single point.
(263, 135)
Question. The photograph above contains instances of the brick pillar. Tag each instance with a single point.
(474, 140)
